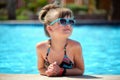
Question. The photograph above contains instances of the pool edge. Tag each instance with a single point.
(39, 77)
(80, 22)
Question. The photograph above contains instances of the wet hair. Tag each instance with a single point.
(51, 12)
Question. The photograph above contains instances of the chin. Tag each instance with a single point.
(67, 35)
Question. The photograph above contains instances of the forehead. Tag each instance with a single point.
(68, 16)
(64, 12)
(60, 14)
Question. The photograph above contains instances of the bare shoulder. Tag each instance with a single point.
(74, 44)
(75, 47)
(41, 46)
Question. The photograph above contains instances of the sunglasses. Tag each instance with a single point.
(63, 21)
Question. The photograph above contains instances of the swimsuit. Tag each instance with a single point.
(66, 63)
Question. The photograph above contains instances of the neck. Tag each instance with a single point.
(58, 44)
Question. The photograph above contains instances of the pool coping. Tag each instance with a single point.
(80, 22)
(40, 77)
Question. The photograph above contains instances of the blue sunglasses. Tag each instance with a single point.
(63, 21)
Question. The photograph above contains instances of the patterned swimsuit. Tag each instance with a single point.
(66, 62)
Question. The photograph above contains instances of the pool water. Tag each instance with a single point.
(100, 45)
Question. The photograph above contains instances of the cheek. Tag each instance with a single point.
(56, 29)
(71, 29)
(56, 26)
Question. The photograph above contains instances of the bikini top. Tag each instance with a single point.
(66, 62)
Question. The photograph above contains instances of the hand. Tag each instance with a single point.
(53, 69)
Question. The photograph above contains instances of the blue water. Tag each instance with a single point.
(100, 44)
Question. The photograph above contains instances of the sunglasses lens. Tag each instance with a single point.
(71, 22)
(63, 21)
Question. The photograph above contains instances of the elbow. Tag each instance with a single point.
(82, 72)
(41, 71)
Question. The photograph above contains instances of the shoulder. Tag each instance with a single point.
(74, 44)
(42, 45)
(75, 47)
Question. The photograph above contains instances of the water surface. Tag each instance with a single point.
(100, 45)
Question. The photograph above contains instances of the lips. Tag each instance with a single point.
(67, 30)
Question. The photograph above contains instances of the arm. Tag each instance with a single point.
(50, 71)
(78, 62)
(40, 61)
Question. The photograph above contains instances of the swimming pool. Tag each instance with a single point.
(100, 44)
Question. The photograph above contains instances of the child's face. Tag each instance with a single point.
(59, 30)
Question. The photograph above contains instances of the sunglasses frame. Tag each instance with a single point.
(67, 21)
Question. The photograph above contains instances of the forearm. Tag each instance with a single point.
(42, 71)
(74, 72)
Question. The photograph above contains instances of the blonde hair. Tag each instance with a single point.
(51, 12)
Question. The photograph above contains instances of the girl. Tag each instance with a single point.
(59, 55)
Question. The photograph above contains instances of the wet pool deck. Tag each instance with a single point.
(39, 77)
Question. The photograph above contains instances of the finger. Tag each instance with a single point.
(50, 70)
(50, 73)
(55, 63)
(54, 70)
(51, 65)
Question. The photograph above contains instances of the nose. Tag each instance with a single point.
(67, 26)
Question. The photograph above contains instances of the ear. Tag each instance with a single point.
(49, 28)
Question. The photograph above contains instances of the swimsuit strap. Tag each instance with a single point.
(65, 49)
(64, 64)
(48, 51)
